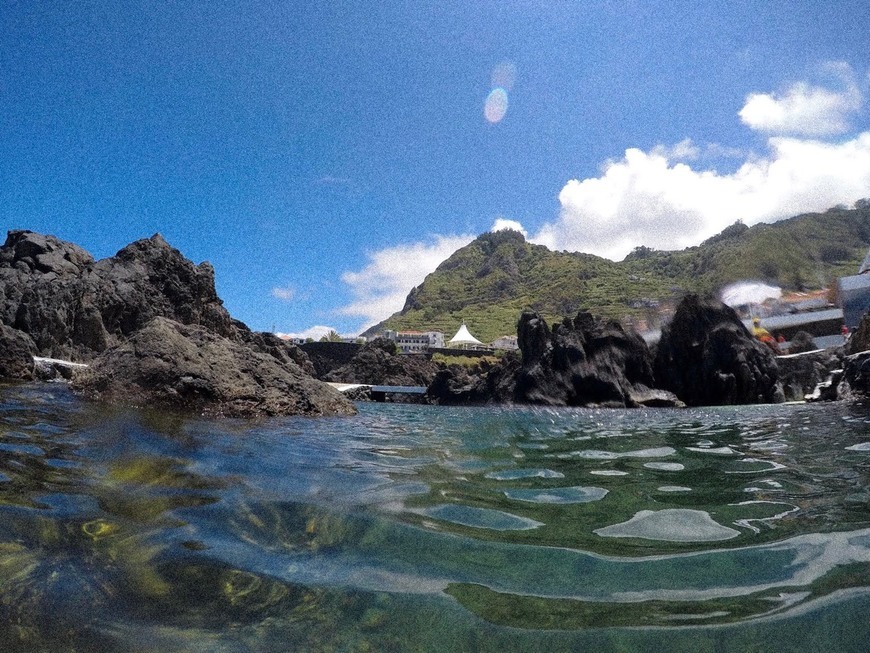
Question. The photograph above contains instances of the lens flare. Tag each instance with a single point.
(496, 105)
(504, 75)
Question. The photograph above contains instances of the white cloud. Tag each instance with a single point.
(380, 288)
(645, 199)
(804, 109)
(502, 224)
(287, 293)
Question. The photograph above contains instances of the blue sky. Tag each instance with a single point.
(325, 156)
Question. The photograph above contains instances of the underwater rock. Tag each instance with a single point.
(707, 357)
(192, 368)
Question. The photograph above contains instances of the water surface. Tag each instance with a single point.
(411, 528)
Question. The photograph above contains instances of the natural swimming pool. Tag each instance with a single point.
(428, 528)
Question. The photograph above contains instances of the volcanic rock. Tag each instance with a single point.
(74, 308)
(16, 354)
(707, 357)
(583, 362)
(480, 384)
(860, 340)
(379, 363)
(192, 368)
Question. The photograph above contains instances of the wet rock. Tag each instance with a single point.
(801, 375)
(16, 354)
(192, 368)
(707, 357)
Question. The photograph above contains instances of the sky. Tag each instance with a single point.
(326, 156)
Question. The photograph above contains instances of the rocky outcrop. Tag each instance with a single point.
(802, 342)
(192, 368)
(16, 354)
(584, 362)
(480, 384)
(860, 340)
(379, 363)
(707, 357)
(856, 376)
(74, 308)
(799, 376)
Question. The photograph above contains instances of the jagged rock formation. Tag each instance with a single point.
(481, 384)
(707, 357)
(189, 367)
(74, 308)
(584, 362)
(379, 363)
(57, 302)
(799, 376)
(581, 362)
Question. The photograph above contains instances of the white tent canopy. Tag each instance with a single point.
(464, 337)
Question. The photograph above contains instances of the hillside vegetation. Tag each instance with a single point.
(489, 282)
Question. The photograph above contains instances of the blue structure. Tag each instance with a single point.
(854, 294)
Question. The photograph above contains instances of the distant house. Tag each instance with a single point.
(505, 342)
(854, 294)
(412, 342)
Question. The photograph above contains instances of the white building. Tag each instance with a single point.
(413, 342)
(505, 342)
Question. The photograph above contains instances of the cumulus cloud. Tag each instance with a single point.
(502, 224)
(646, 199)
(804, 109)
(287, 293)
(380, 288)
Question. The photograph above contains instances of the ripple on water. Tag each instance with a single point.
(608, 472)
(671, 525)
(666, 467)
(674, 488)
(576, 494)
(861, 446)
(514, 474)
(481, 517)
(595, 454)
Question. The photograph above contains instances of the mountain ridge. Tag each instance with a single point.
(488, 283)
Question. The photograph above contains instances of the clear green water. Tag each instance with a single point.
(412, 528)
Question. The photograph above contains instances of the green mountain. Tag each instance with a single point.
(490, 281)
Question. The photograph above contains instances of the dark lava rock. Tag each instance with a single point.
(583, 362)
(480, 384)
(801, 375)
(801, 343)
(856, 376)
(707, 357)
(74, 308)
(190, 367)
(16, 354)
(860, 340)
(379, 363)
